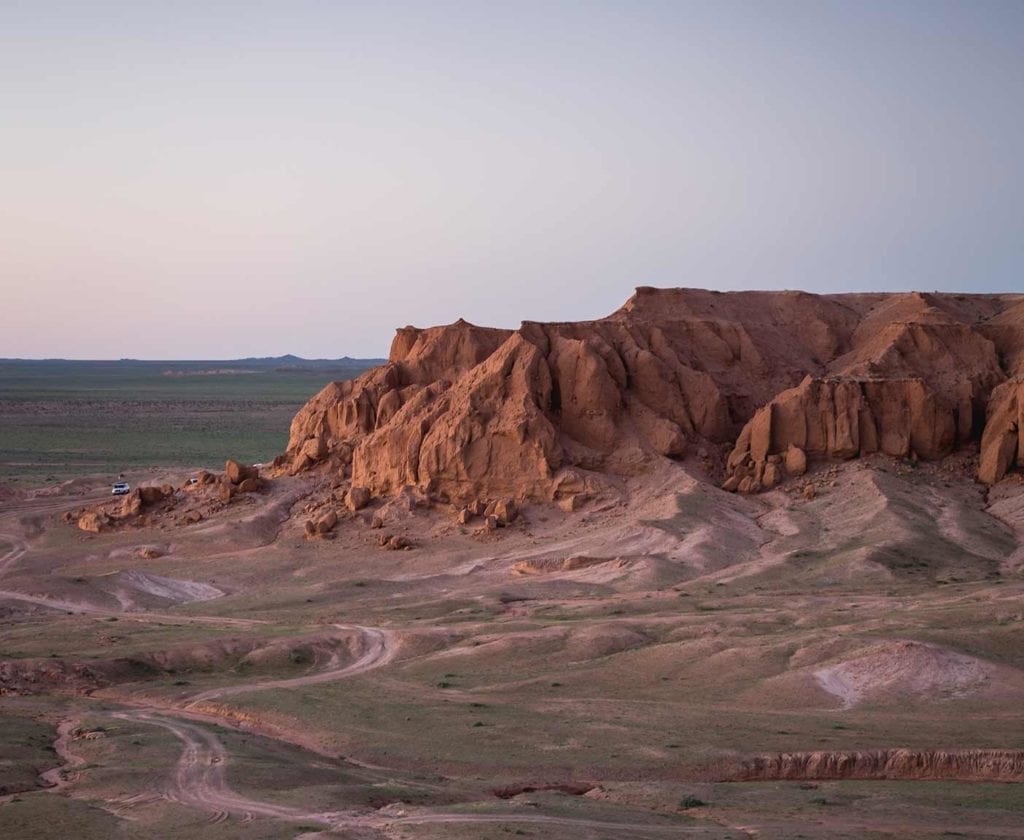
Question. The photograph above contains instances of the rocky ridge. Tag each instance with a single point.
(956, 765)
(752, 385)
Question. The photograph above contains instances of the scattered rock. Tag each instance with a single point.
(393, 542)
(325, 524)
(358, 498)
(250, 485)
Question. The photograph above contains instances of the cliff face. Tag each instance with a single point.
(551, 410)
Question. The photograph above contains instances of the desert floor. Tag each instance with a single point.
(608, 673)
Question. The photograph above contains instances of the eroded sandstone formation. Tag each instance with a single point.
(559, 410)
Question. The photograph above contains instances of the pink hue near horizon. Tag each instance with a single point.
(218, 180)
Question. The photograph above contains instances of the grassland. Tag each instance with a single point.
(60, 419)
(612, 700)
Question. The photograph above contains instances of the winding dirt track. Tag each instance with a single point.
(379, 649)
(18, 548)
(199, 778)
(199, 782)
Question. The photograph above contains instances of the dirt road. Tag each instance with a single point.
(199, 780)
(379, 648)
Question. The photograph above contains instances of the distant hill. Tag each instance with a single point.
(292, 362)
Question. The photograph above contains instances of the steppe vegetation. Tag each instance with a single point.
(65, 418)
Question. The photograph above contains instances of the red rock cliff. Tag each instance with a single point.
(549, 409)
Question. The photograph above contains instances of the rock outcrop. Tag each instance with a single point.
(844, 418)
(1002, 444)
(563, 411)
(953, 765)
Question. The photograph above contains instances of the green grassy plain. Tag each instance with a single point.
(60, 419)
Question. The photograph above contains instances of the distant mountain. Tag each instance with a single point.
(292, 361)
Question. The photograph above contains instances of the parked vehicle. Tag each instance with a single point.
(122, 488)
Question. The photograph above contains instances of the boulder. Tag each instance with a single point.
(325, 524)
(250, 485)
(93, 521)
(795, 461)
(748, 484)
(571, 504)
(131, 505)
(506, 511)
(237, 472)
(357, 498)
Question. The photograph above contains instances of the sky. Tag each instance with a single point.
(228, 179)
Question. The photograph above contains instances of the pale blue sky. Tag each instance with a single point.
(222, 179)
